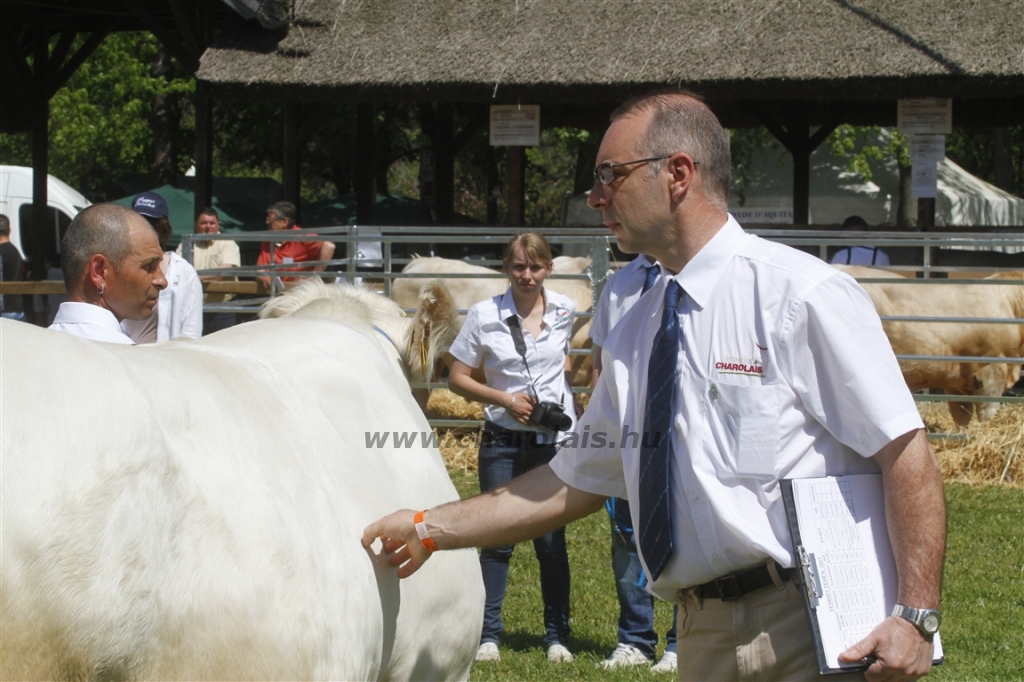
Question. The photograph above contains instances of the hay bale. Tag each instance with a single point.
(459, 448)
(985, 453)
(443, 404)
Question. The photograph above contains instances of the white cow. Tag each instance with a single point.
(915, 298)
(193, 510)
(466, 292)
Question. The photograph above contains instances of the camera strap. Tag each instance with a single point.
(516, 331)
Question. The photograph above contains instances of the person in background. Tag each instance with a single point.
(180, 311)
(10, 271)
(211, 254)
(518, 376)
(111, 258)
(746, 363)
(858, 255)
(281, 216)
(637, 637)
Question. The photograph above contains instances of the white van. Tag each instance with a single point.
(16, 203)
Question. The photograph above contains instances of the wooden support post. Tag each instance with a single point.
(290, 173)
(798, 127)
(493, 185)
(444, 147)
(516, 186)
(204, 149)
(42, 228)
(363, 172)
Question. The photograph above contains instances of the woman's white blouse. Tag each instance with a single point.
(485, 340)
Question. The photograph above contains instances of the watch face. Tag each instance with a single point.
(931, 623)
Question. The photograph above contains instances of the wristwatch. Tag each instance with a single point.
(925, 620)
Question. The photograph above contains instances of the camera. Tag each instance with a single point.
(551, 416)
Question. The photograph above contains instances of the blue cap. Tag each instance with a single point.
(150, 204)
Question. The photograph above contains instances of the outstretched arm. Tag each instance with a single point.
(527, 507)
(915, 512)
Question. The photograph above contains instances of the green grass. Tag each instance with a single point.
(983, 597)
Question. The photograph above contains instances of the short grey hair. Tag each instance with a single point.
(682, 122)
(98, 229)
(5, 225)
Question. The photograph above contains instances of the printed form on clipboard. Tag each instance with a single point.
(847, 570)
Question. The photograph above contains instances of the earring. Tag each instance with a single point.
(100, 290)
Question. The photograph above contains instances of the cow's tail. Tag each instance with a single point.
(433, 328)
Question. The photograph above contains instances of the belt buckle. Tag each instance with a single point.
(728, 588)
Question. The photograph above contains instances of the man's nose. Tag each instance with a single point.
(160, 282)
(598, 196)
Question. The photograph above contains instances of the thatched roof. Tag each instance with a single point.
(601, 50)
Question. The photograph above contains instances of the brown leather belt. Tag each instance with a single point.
(732, 587)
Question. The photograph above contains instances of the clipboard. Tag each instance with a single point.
(847, 572)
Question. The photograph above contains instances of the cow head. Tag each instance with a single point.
(417, 342)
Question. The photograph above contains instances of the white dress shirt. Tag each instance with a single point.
(784, 372)
(620, 292)
(88, 321)
(485, 340)
(179, 311)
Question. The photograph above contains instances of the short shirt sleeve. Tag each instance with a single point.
(842, 367)
(312, 250)
(467, 347)
(599, 324)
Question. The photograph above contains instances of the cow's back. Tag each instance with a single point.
(193, 510)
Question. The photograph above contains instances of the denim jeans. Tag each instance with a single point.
(501, 460)
(636, 605)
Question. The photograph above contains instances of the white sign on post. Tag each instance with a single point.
(927, 148)
(924, 180)
(925, 116)
(515, 125)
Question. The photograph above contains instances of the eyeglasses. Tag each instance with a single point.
(605, 172)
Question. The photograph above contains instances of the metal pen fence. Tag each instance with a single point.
(596, 243)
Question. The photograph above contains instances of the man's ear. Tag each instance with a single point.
(682, 169)
(98, 271)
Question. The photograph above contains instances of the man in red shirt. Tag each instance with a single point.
(281, 216)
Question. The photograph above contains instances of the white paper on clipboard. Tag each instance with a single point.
(844, 539)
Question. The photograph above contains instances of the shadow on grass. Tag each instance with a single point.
(521, 642)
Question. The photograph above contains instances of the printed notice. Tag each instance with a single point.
(925, 116)
(514, 125)
(843, 536)
(924, 180)
(927, 148)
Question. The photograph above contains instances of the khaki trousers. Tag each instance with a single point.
(763, 636)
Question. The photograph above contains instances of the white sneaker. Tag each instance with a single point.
(488, 651)
(624, 656)
(559, 654)
(667, 664)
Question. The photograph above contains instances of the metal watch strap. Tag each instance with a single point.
(918, 617)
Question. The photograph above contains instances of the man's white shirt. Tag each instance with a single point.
(88, 321)
(784, 372)
(620, 292)
(485, 338)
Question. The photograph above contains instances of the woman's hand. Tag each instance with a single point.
(520, 406)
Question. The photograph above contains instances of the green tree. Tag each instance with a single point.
(100, 120)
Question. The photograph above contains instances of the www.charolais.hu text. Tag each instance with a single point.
(583, 439)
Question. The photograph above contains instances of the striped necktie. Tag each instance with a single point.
(652, 277)
(655, 528)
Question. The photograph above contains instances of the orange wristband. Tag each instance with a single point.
(421, 530)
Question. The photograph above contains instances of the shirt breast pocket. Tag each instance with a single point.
(741, 435)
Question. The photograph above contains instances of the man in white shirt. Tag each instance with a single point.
(781, 371)
(111, 261)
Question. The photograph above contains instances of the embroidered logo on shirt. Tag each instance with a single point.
(561, 317)
(735, 364)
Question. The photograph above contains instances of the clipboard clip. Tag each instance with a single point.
(809, 577)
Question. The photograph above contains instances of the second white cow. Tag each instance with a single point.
(914, 298)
